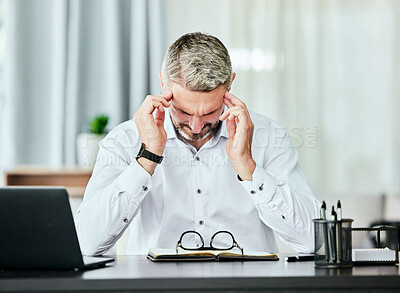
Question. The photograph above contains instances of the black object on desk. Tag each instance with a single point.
(383, 236)
(326, 252)
(391, 230)
(300, 257)
(38, 231)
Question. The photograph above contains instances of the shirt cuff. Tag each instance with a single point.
(263, 186)
(135, 181)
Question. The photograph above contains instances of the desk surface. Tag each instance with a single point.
(136, 273)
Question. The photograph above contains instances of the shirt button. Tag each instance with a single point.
(197, 158)
(197, 245)
(201, 222)
(126, 220)
(283, 217)
(198, 191)
(144, 188)
(261, 187)
(253, 192)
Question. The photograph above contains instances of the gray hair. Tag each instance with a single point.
(198, 62)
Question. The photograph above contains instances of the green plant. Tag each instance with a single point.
(98, 124)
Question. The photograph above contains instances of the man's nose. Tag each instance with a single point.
(196, 124)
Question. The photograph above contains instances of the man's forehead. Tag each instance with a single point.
(183, 96)
(200, 111)
(197, 106)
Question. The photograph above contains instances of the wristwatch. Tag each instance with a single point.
(143, 153)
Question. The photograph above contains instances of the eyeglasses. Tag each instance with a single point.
(221, 240)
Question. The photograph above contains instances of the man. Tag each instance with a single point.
(223, 167)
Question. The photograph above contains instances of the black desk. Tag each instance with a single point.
(137, 274)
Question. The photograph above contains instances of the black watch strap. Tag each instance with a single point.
(143, 153)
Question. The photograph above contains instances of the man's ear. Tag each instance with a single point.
(233, 78)
(161, 82)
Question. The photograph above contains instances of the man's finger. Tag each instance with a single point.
(228, 103)
(159, 116)
(243, 122)
(228, 112)
(235, 114)
(241, 116)
(161, 99)
(167, 95)
(231, 127)
(149, 107)
(155, 105)
(235, 100)
(159, 113)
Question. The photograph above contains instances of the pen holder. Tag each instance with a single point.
(333, 243)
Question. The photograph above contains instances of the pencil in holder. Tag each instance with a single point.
(333, 247)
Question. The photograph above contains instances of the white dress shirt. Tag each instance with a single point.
(196, 190)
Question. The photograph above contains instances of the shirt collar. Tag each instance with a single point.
(171, 132)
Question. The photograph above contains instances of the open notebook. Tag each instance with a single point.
(161, 254)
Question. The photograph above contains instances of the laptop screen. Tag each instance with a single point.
(37, 229)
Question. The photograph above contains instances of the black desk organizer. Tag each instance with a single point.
(382, 236)
(333, 243)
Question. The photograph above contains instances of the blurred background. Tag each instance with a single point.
(328, 70)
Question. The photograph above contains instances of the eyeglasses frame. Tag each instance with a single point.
(202, 247)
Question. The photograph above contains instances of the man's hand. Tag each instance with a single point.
(240, 135)
(149, 121)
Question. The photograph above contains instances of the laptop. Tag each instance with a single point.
(37, 231)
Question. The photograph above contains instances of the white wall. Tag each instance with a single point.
(329, 74)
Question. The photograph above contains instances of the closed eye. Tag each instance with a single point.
(183, 112)
(186, 113)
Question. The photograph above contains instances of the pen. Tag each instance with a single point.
(339, 210)
(323, 210)
(332, 236)
(333, 214)
(339, 231)
(305, 257)
(325, 229)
